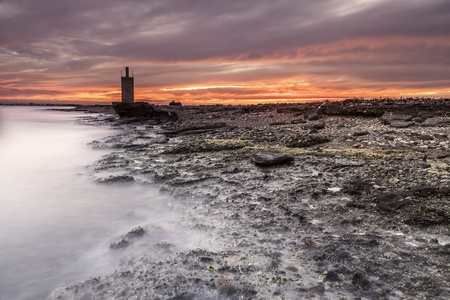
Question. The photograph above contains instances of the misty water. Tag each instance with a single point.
(56, 223)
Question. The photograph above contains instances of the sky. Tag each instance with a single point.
(223, 51)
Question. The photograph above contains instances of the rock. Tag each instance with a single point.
(390, 117)
(270, 158)
(436, 121)
(360, 133)
(133, 110)
(392, 201)
(309, 242)
(339, 208)
(135, 232)
(301, 140)
(318, 289)
(224, 286)
(124, 241)
(401, 124)
(332, 276)
(314, 117)
(316, 125)
(175, 103)
(143, 110)
(360, 280)
(292, 269)
(116, 179)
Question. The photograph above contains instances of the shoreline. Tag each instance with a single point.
(361, 211)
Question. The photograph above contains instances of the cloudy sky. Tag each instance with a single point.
(224, 51)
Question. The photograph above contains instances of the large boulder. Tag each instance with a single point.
(143, 110)
(133, 110)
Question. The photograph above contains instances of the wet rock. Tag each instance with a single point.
(116, 179)
(266, 159)
(360, 280)
(392, 201)
(206, 146)
(125, 240)
(332, 276)
(224, 286)
(132, 110)
(143, 110)
(301, 140)
(357, 187)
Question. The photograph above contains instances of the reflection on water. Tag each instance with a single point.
(55, 224)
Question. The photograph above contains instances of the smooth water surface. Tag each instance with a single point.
(55, 223)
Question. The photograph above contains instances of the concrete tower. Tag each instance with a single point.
(127, 87)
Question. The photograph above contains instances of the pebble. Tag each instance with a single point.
(224, 286)
(318, 289)
(292, 269)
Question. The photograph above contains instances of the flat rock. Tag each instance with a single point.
(436, 121)
(401, 124)
(390, 117)
(271, 158)
(304, 140)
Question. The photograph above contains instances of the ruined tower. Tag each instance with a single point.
(127, 87)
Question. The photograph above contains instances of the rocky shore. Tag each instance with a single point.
(334, 200)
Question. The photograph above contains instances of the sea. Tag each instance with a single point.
(56, 223)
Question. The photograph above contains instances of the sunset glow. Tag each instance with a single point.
(231, 52)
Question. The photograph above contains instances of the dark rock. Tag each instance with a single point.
(277, 123)
(392, 201)
(132, 110)
(135, 232)
(332, 276)
(143, 110)
(122, 243)
(314, 117)
(301, 140)
(205, 259)
(357, 187)
(315, 125)
(125, 240)
(360, 280)
(270, 158)
(175, 103)
(360, 133)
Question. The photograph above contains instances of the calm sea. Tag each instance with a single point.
(55, 223)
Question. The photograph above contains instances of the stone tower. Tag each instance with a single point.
(127, 87)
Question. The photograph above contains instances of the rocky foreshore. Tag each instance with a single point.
(333, 200)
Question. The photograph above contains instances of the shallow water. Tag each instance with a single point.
(55, 223)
